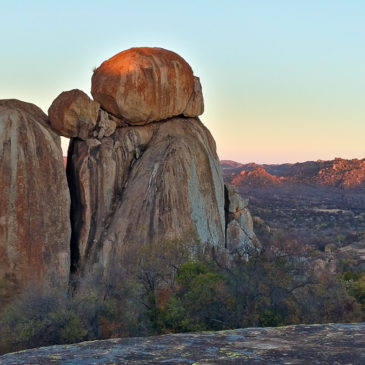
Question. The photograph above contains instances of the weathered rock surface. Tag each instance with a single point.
(144, 84)
(195, 106)
(34, 199)
(146, 184)
(303, 344)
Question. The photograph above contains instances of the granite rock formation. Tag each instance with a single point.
(34, 200)
(145, 184)
(157, 177)
(142, 85)
(141, 169)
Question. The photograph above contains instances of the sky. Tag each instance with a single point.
(283, 80)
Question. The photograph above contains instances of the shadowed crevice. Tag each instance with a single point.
(226, 214)
(75, 210)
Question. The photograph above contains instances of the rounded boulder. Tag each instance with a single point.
(73, 114)
(143, 85)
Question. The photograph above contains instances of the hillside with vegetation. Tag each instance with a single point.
(319, 203)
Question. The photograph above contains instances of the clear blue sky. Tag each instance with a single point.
(283, 80)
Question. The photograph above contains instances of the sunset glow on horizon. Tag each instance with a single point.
(282, 81)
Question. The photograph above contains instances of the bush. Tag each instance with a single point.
(200, 301)
(39, 318)
(357, 289)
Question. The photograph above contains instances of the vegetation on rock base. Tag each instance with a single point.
(159, 290)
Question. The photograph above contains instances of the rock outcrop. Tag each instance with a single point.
(240, 237)
(142, 85)
(141, 169)
(34, 200)
(157, 177)
(302, 344)
(145, 185)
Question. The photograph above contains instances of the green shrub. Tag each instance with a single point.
(357, 289)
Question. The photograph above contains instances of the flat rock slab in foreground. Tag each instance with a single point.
(314, 344)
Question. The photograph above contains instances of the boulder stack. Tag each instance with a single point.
(142, 170)
(154, 176)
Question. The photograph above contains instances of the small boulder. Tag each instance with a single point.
(73, 114)
(144, 85)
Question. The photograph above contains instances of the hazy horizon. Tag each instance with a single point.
(65, 147)
(282, 81)
(282, 163)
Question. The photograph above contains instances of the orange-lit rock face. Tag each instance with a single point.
(34, 200)
(144, 85)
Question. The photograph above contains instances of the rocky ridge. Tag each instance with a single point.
(320, 203)
(339, 173)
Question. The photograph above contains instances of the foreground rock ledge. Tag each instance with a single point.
(302, 344)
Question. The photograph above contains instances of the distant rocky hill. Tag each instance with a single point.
(336, 173)
(319, 202)
(303, 344)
